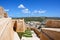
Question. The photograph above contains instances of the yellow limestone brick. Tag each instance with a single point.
(1, 12)
(5, 15)
(6, 33)
(20, 25)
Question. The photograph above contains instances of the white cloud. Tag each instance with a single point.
(25, 11)
(44, 11)
(6, 9)
(39, 11)
(21, 6)
(35, 11)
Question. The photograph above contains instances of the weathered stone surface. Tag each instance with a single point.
(53, 24)
(5, 15)
(6, 30)
(36, 31)
(50, 34)
(1, 12)
(20, 25)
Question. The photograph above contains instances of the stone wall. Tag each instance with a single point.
(1, 12)
(6, 29)
(19, 25)
(53, 24)
(50, 34)
(5, 15)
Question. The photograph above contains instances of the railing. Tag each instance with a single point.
(6, 29)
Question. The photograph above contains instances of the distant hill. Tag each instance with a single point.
(36, 18)
(31, 18)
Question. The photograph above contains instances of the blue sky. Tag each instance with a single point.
(31, 8)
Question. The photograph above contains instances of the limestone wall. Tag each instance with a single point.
(50, 34)
(6, 29)
(20, 25)
(1, 12)
(5, 15)
(53, 24)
